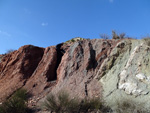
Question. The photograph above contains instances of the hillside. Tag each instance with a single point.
(115, 70)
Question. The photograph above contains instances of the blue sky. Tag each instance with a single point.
(49, 22)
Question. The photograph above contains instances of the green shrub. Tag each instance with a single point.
(16, 103)
(74, 40)
(89, 105)
(63, 103)
(21, 93)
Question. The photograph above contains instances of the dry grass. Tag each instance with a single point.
(146, 40)
(62, 103)
(129, 106)
(15, 104)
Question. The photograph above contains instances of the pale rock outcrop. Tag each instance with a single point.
(128, 79)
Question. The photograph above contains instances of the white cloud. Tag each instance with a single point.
(44, 24)
(4, 33)
(111, 1)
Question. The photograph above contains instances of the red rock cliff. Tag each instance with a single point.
(72, 67)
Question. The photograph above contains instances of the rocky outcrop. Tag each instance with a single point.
(128, 79)
(1, 56)
(110, 69)
(44, 72)
(79, 66)
(17, 67)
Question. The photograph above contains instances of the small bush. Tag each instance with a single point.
(117, 36)
(9, 51)
(147, 40)
(89, 105)
(21, 93)
(122, 35)
(104, 36)
(16, 103)
(63, 103)
(130, 107)
(74, 40)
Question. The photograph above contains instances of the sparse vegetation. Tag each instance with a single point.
(117, 36)
(104, 36)
(74, 40)
(9, 51)
(16, 103)
(129, 106)
(63, 103)
(114, 35)
(1, 56)
(93, 105)
(147, 40)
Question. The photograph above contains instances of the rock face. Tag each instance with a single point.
(110, 69)
(128, 79)
(79, 66)
(17, 67)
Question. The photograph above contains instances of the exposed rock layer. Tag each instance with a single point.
(112, 69)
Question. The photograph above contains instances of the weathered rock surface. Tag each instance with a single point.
(1, 56)
(17, 67)
(114, 70)
(128, 79)
(78, 69)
